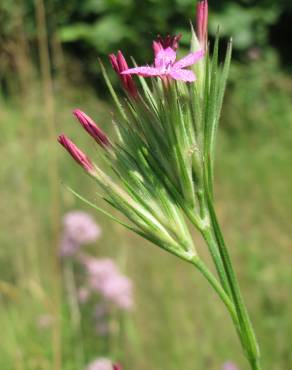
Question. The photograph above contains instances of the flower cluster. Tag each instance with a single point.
(105, 279)
(103, 364)
(79, 228)
(229, 366)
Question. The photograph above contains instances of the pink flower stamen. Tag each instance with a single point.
(76, 153)
(165, 42)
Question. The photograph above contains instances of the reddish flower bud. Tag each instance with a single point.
(165, 42)
(76, 153)
(202, 23)
(119, 65)
(117, 367)
(90, 126)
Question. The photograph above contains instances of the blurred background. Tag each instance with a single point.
(169, 318)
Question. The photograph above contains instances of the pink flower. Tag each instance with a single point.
(90, 126)
(119, 65)
(99, 271)
(166, 66)
(81, 227)
(165, 42)
(76, 153)
(229, 366)
(68, 246)
(202, 23)
(119, 290)
(100, 364)
(106, 279)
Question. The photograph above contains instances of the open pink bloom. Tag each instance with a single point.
(202, 23)
(76, 153)
(90, 126)
(119, 65)
(165, 42)
(166, 66)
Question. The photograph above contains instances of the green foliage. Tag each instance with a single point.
(248, 26)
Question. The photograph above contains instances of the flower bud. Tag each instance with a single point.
(202, 23)
(76, 153)
(119, 65)
(90, 126)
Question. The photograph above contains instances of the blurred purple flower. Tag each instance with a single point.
(100, 270)
(68, 247)
(79, 228)
(105, 278)
(100, 364)
(119, 290)
(229, 366)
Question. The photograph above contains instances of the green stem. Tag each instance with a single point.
(255, 365)
(200, 265)
(213, 248)
(249, 338)
(74, 311)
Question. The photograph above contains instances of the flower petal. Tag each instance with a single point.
(143, 71)
(190, 59)
(182, 74)
(164, 58)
